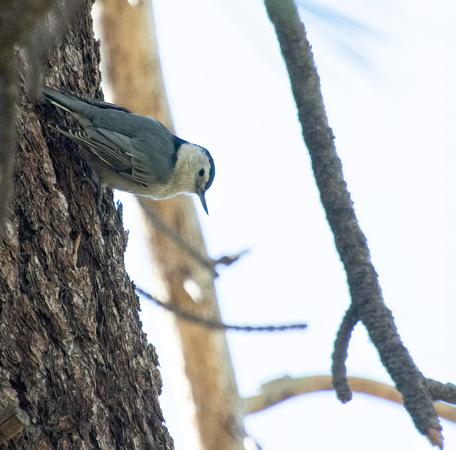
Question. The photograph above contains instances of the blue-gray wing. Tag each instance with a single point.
(139, 148)
(138, 143)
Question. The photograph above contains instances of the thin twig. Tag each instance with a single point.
(216, 324)
(185, 246)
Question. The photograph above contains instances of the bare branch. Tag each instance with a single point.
(227, 260)
(351, 244)
(185, 246)
(281, 389)
(217, 324)
(440, 391)
(339, 370)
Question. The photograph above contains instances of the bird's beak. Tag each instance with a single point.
(200, 194)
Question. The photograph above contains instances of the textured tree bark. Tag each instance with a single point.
(72, 353)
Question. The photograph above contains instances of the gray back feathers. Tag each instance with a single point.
(138, 148)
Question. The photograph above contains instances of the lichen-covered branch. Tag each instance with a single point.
(340, 353)
(442, 391)
(351, 244)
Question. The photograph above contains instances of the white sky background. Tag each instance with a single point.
(389, 89)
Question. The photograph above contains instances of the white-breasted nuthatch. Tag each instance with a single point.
(134, 153)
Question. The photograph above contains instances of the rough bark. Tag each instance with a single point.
(72, 353)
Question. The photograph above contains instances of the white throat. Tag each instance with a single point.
(183, 177)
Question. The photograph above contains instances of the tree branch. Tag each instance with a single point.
(340, 353)
(281, 389)
(215, 324)
(188, 248)
(351, 244)
(441, 391)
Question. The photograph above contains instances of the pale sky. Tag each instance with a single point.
(388, 78)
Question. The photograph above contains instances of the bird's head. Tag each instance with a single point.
(194, 170)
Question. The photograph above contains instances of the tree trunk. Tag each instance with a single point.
(72, 353)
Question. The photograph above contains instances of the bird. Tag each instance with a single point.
(134, 153)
